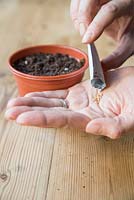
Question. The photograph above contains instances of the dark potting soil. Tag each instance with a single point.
(47, 64)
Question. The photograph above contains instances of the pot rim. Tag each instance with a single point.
(49, 78)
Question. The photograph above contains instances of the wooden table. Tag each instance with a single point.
(55, 164)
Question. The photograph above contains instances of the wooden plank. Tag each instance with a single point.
(91, 167)
(55, 164)
(25, 154)
(25, 160)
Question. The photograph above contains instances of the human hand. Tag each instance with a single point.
(115, 17)
(112, 117)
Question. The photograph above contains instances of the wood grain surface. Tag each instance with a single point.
(55, 164)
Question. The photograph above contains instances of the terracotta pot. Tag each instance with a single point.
(28, 83)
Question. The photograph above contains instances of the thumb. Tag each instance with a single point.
(105, 16)
(123, 51)
(111, 127)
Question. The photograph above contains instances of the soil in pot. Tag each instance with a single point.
(47, 64)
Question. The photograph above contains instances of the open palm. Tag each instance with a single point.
(113, 116)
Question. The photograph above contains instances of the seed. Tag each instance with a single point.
(26, 62)
(66, 69)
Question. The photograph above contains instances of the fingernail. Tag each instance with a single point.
(9, 104)
(9, 115)
(20, 121)
(82, 28)
(87, 37)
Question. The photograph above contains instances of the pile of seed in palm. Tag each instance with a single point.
(47, 64)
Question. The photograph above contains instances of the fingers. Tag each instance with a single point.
(14, 112)
(61, 94)
(53, 118)
(111, 127)
(42, 119)
(104, 17)
(82, 13)
(74, 8)
(104, 126)
(35, 101)
(86, 13)
(123, 51)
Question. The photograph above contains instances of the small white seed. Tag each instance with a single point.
(66, 69)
